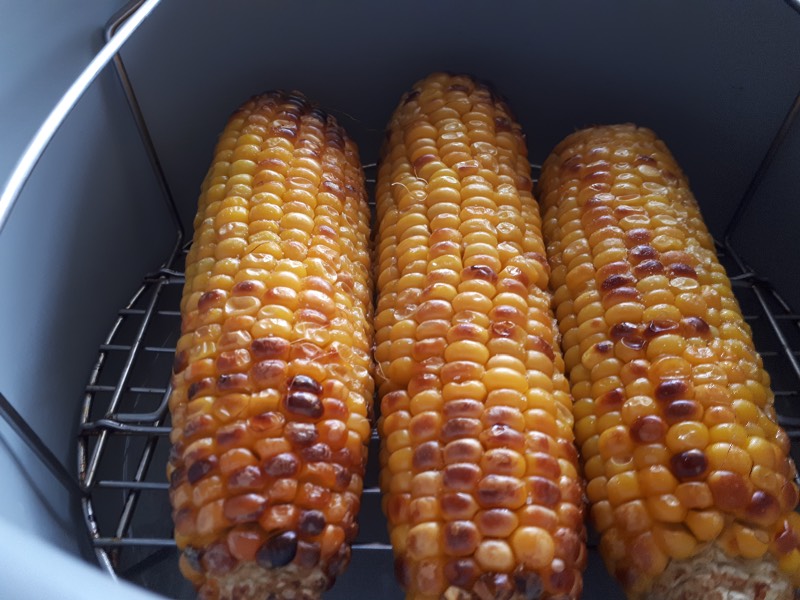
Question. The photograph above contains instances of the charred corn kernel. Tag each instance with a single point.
(469, 347)
(673, 410)
(271, 387)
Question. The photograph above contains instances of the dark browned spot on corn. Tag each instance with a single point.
(461, 572)
(461, 538)
(218, 560)
(730, 490)
(200, 469)
(301, 434)
(424, 160)
(316, 453)
(682, 410)
(502, 124)
(622, 330)
(502, 436)
(202, 425)
(499, 490)
(427, 457)
(245, 288)
(671, 389)
(244, 508)
(648, 267)
(461, 477)
(466, 450)
(308, 554)
(543, 491)
(282, 465)
(763, 508)
(611, 401)
(682, 270)
(604, 347)
(481, 272)
(659, 327)
(786, 539)
(233, 382)
(617, 281)
(209, 300)
(180, 362)
(311, 522)
(638, 236)
(458, 505)
(642, 253)
(460, 428)
(201, 387)
(248, 478)
(462, 408)
(304, 383)
(304, 404)
(278, 551)
(689, 464)
(648, 429)
(267, 423)
(273, 348)
(177, 476)
(694, 326)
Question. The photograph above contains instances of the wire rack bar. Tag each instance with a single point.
(41, 140)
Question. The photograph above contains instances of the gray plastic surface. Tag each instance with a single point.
(713, 78)
(33, 570)
(88, 226)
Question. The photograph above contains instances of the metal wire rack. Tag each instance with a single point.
(123, 441)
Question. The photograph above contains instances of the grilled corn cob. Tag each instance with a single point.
(689, 475)
(478, 464)
(271, 386)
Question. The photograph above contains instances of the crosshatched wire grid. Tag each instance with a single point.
(124, 438)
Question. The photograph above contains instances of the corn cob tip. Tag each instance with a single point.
(715, 574)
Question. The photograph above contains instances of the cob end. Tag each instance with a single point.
(714, 575)
(250, 580)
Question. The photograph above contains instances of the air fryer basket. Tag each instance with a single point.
(123, 443)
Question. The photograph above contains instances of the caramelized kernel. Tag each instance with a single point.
(689, 464)
(763, 508)
(458, 505)
(311, 522)
(244, 508)
(461, 538)
(271, 348)
(496, 522)
(217, 559)
(308, 554)
(543, 491)
(648, 429)
(200, 469)
(461, 572)
(247, 478)
(660, 327)
(730, 490)
(278, 551)
(301, 434)
(304, 404)
(304, 383)
(681, 411)
(461, 477)
(671, 389)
